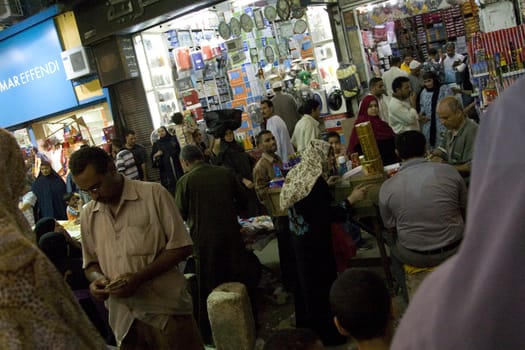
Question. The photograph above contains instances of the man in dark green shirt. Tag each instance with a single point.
(208, 197)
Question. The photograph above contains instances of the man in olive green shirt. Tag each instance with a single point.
(457, 147)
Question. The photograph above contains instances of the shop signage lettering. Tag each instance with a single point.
(30, 75)
(33, 82)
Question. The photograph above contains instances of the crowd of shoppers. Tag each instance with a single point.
(134, 236)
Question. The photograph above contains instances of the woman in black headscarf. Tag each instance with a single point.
(233, 156)
(49, 224)
(165, 155)
(50, 189)
(427, 102)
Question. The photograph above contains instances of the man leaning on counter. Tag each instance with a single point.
(457, 147)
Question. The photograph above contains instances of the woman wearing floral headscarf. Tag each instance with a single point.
(307, 196)
(37, 309)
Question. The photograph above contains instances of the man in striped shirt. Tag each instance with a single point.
(124, 160)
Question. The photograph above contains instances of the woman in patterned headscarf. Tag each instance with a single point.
(307, 196)
(37, 309)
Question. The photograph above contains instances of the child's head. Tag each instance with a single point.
(71, 199)
(294, 339)
(197, 136)
(334, 140)
(361, 304)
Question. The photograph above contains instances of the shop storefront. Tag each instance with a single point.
(47, 109)
(400, 28)
(487, 32)
(227, 55)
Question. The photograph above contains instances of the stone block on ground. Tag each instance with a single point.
(231, 317)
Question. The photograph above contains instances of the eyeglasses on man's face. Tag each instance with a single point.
(95, 189)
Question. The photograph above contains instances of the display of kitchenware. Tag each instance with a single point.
(246, 23)
(235, 27)
(270, 13)
(283, 9)
(224, 30)
(269, 54)
(300, 26)
(258, 18)
(298, 11)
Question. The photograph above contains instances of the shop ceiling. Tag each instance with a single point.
(127, 17)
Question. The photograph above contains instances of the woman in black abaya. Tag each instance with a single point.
(165, 156)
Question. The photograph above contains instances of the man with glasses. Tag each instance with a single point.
(133, 237)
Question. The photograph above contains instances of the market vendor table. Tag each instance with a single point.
(366, 216)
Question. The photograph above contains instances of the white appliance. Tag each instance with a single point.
(77, 62)
(320, 96)
(336, 101)
(496, 16)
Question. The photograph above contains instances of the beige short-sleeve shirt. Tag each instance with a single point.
(146, 223)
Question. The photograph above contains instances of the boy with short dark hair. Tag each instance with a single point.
(363, 309)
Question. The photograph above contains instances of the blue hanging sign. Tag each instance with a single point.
(33, 82)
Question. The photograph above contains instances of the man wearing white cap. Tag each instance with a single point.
(284, 106)
(415, 77)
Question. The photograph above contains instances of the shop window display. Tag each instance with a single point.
(229, 55)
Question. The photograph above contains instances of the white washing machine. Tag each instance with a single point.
(320, 96)
(336, 102)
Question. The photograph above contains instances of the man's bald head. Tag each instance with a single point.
(450, 113)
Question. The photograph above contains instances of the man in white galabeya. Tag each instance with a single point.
(276, 125)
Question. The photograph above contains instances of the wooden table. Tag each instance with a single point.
(367, 217)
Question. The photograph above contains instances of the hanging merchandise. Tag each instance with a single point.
(246, 23)
(348, 79)
(307, 48)
(298, 11)
(496, 61)
(300, 26)
(283, 9)
(269, 54)
(224, 30)
(197, 60)
(182, 56)
(215, 48)
(225, 53)
(207, 53)
(235, 27)
(270, 13)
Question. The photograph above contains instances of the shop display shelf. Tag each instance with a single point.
(480, 75)
(513, 73)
